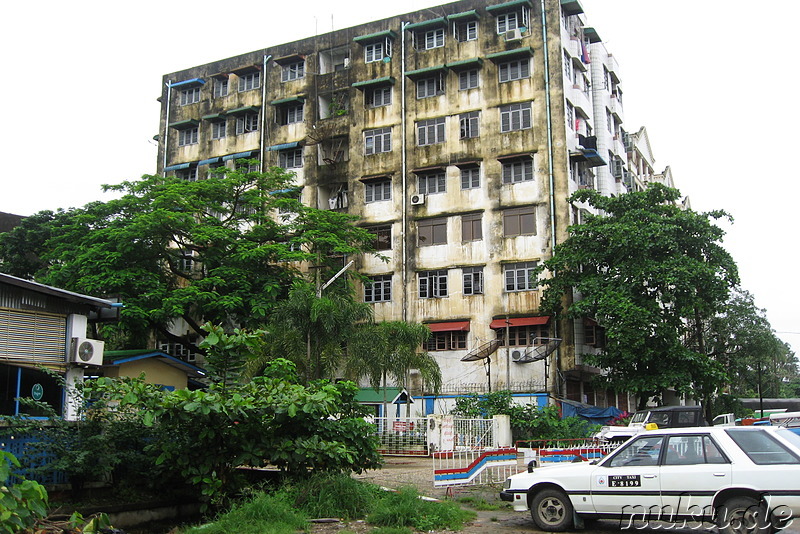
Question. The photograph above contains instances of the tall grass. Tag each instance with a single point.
(333, 495)
(405, 509)
(260, 514)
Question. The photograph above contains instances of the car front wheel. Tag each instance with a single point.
(551, 510)
(743, 515)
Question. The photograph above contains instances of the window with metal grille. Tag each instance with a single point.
(430, 132)
(473, 280)
(432, 232)
(378, 289)
(432, 284)
(519, 276)
(515, 117)
(523, 336)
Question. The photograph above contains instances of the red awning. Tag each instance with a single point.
(520, 321)
(455, 326)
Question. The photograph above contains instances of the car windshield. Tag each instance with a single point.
(762, 448)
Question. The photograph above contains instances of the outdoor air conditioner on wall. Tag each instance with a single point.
(86, 351)
(417, 200)
(513, 35)
(516, 355)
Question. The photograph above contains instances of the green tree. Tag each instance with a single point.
(651, 274)
(220, 250)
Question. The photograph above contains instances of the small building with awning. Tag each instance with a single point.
(155, 366)
(376, 399)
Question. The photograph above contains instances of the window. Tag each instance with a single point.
(430, 132)
(466, 31)
(334, 60)
(571, 116)
(431, 183)
(188, 136)
(378, 289)
(514, 70)
(291, 159)
(471, 227)
(377, 51)
(430, 39)
(293, 71)
(290, 114)
(468, 79)
(379, 96)
(220, 87)
(517, 170)
(519, 221)
(470, 177)
(249, 81)
(247, 123)
(469, 125)
(519, 276)
(218, 129)
(643, 451)
(515, 117)
(377, 191)
(446, 341)
(473, 280)
(523, 336)
(190, 96)
(377, 141)
(432, 284)
(507, 21)
(567, 66)
(762, 448)
(190, 174)
(432, 232)
(333, 104)
(427, 87)
(383, 237)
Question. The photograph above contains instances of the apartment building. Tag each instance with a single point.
(456, 134)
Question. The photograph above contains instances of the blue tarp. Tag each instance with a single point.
(593, 414)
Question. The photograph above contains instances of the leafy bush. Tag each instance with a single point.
(405, 509)
(22, 503)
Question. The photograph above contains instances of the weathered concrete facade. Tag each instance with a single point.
(457, 134)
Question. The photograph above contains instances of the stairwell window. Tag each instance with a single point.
(378, 289)
(430, 132)
(293, 71)
(432, 232)
(519, 276)
(377, 140)
(249, 81)
(432, 284)
(519, 221)
(473, 280)
(514, 70)
(515, 117)
(247, 122)
(188, 136)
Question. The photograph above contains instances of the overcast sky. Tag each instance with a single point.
(710, 80)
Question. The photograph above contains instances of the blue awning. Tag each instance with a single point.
(284, 146)
(590, 156)
(237, 156)
(177, 167)
(188, 83)
(207, 161)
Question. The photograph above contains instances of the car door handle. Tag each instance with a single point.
(718, 474)
(649, 476)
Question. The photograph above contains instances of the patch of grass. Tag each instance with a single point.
(405, 509)
(390, 530)
(478, 503)
(262, 513)
(333, 495)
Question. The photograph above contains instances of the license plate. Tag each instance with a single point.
(624, 481)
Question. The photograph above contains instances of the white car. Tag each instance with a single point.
(744, 479)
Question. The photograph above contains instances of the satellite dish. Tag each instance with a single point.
(483, 351)
(541, 349)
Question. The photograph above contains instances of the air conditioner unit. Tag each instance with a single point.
(86, 351)
(516, 355)
(417, 200)
(513, 35)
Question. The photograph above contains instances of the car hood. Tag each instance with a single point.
(569, 468)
